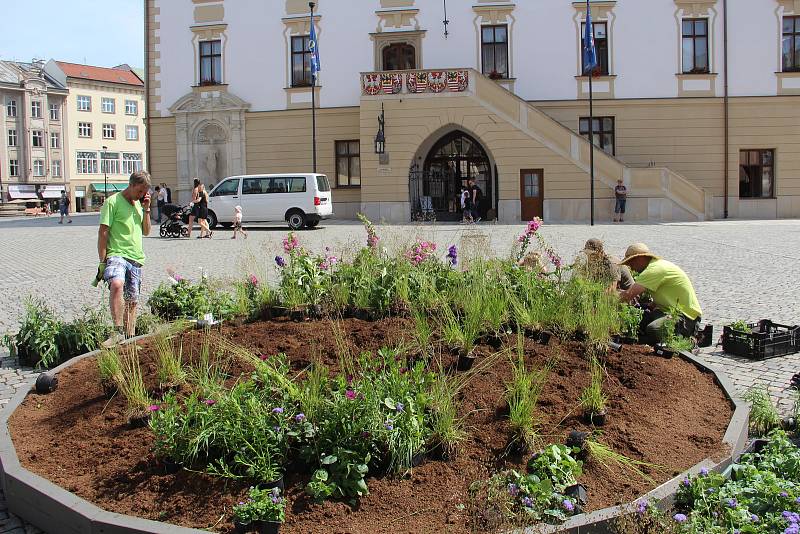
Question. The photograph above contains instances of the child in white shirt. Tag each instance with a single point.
(237, 222)
(466, 204)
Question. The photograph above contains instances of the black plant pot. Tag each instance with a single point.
(418, 459)
(278, 483)
(170, 466)
(706, 336)
(297, 315)
(576, 439)
(138, 421)
(279, 311)
(269, 527)
(361, 314)
(616, 347)
(465, 361)
(243, 528)
(315, 311)
(493, 341)
(544, 337)
(662, 350)
(595, 419)
(46, 383)
(577, 492)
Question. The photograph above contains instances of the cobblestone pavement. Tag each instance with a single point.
(741, 269)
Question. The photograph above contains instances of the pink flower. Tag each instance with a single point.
(253, 280)
(153, 408)
(264, 357)
(350, 394)
(290, 242)
(210, 402)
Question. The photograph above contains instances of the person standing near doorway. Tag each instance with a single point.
(477, 197)
(63, 208)
(195, 206)
(124, 219)
(621, 198)
(161, 200)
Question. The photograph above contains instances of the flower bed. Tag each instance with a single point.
(676, 424)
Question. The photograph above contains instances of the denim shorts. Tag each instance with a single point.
(620, 205)
(119, 268)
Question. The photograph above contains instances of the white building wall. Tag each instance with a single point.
(545, 46)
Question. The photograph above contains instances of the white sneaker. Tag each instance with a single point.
(115, 339)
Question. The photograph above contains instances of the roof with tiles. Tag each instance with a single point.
(12, 73)
(100, 74)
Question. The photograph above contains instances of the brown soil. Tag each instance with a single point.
(661, 411)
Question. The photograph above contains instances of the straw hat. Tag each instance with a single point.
(636, 250)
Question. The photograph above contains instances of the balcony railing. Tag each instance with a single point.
(414, 82)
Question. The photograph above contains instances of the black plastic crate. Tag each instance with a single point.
(765, 340)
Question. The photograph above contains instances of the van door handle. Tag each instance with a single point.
(237, 196)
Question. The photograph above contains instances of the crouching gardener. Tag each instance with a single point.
(670, 289)
(125, 216)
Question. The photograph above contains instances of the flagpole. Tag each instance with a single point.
(591, 146)
(313, 103)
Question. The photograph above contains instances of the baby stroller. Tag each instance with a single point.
(175, 225)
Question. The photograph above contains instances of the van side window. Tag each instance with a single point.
(278, 185)
(297, 185)
(227, 188)
(256, 186)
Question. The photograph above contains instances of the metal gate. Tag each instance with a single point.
(433, 194)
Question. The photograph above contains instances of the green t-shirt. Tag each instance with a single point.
(124, 221)
(670, 287)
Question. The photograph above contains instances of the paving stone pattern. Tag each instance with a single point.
(741, 270)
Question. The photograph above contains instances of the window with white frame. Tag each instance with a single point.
(36, 109)
(110, 162)
(84, 129)
(84, 103)
(11, 107)
(55, 168)
(55, 112)
(13, 167)
(109, 131)
(131, 107)
(37, 137)
(109, 105)
(132, 133)
(38, 167)
(12, 137)
(55, 140)
(87, 162)
(131, 163)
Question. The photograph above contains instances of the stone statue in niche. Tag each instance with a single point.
(212, 161)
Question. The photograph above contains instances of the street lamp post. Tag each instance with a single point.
(105, 174)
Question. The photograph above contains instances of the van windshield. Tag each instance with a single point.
(322, 183)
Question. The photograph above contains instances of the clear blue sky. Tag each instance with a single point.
(98, 32)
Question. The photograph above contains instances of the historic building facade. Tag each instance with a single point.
(105, 129)
(697, 103)
(32, 133)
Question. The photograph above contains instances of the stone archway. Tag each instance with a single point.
(211, 152)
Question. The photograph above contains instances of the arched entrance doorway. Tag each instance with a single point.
(451, 162)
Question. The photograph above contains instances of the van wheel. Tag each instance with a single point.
(296, 220)
(312, 224)
(212, 220)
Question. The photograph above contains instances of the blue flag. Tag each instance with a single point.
(314, 49)
(589, 51)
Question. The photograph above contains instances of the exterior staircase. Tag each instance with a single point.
(670, 196)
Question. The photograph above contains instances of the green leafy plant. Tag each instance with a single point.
(522, 394)
(109, 368)
(763, 414)
(37, 338)
(740, 326)
(261, 505)
(185, 299)
(131, 382)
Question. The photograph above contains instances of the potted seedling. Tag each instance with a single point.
(592, 399)
(263, 512)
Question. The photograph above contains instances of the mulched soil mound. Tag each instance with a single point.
(662, 411)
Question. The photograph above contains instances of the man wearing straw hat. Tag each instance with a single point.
(670, 288)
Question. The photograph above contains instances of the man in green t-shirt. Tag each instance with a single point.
(124, 218)
(670, 289)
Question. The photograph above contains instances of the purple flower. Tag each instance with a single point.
(797, 500)
(732, 503)
(389, 425)
(754, 518)
(513, 489)
(399, 406)
(153, 408)
(210, 402)
(279, 261)
(711, 490)
(452, 255)
(350, 394)
(703, 471)
(277, 410)
(299, 418)
(527, 502)
(349, 379)
(784, 494)
(641, 508)
(680, 518)
(568, 506)
(686, 482)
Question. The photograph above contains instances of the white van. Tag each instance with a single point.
(300, 199)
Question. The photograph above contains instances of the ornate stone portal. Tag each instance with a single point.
(210, 133)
